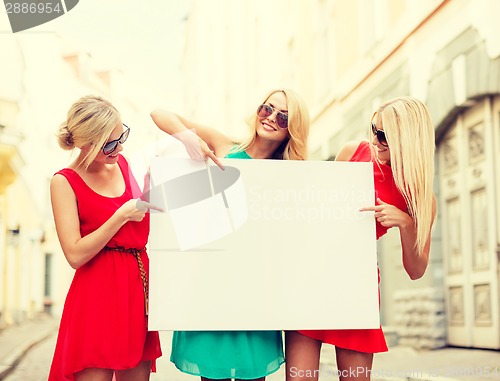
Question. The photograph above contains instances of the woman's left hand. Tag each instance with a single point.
(388, 215)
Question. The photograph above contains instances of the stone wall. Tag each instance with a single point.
(420, 320)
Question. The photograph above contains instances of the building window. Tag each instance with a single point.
(47, 291)
(322, 51)
(48, 272)
(373, 23)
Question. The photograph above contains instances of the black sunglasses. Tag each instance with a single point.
(281, 118)
(380, 135)
(110, 147)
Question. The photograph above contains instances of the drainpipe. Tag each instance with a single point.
(5, 311)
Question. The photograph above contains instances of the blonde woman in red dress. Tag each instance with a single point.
(103, 230)
(402, 152)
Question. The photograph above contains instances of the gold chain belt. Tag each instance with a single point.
(137, 254)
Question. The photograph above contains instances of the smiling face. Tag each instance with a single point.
(267, 127)
(112, 158)
(382, 150)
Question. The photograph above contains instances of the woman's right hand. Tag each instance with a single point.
(135, 209)
(201, 142)
(197, 148)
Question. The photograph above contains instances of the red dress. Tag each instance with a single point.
(366, 340)
(104, 324)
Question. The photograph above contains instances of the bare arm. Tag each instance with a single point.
(79, 250)
(414, 263)
(347, 151)
(210, 142)
(390, 216)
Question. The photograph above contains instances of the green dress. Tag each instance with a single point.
(228, 354)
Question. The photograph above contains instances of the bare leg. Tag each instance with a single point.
(353, 365)
(94, 374)
(140, 373)
(302, 357)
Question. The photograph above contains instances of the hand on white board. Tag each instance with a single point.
(197, 148)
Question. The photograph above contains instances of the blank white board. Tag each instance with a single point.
(263, 245)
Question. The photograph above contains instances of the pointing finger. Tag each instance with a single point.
(375, 208)
(144, 206)
(214, 158)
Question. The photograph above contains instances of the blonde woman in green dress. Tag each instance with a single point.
(278, 130)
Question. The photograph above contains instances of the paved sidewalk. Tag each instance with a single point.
(408, 364)
(17, 340)
(399, 364)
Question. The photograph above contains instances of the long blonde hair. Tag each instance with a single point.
(90, 120)
(295, 146)
(410, 136)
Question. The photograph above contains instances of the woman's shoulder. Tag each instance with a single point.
(351, 149)
(64, 175)
(63, 181)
